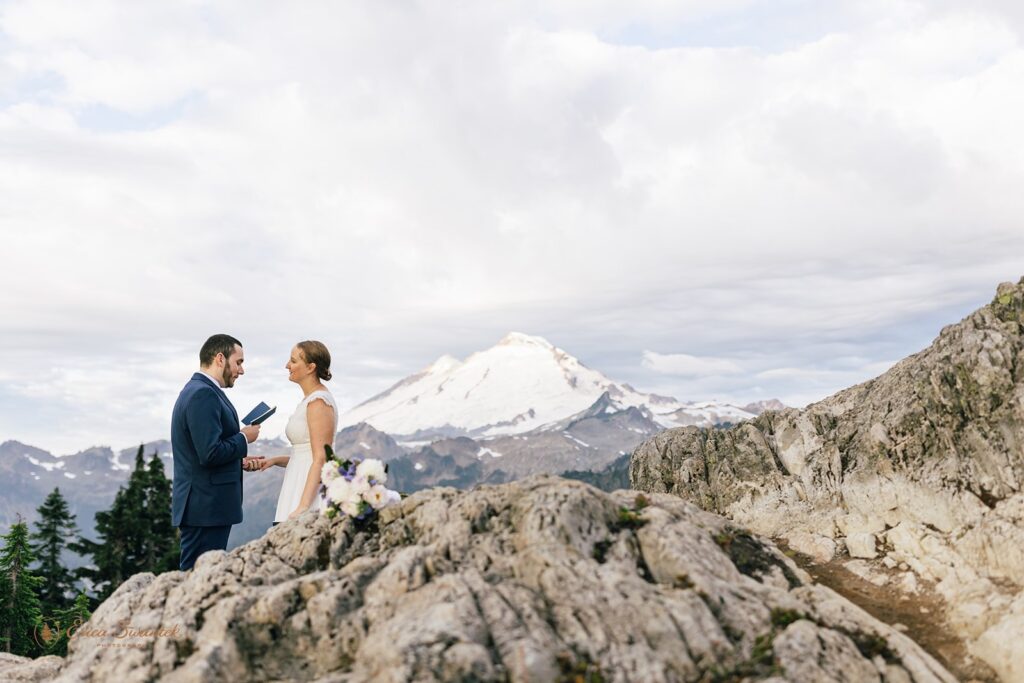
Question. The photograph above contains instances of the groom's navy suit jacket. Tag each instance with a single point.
(208, 448)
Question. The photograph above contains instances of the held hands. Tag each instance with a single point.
(258, 463)
(267, 463)
(252, 463)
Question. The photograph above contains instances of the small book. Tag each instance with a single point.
(258, 414)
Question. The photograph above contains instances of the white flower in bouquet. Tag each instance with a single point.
(351, 507)
(372, 469)
(329, 473)
(376, 496)
(339, 490)
(392, 497)
(360, 484)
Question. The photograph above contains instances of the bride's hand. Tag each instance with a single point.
(266, 463)
(294, 514)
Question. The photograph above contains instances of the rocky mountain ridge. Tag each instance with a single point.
(920, 468)
(538, 580)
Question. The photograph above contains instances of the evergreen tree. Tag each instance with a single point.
(162, 542)
(136, 534)
(55, 526)
(19, 600)
(64, 623)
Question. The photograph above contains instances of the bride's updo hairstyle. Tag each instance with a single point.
(315, 352)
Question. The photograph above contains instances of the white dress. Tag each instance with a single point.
(297, 471)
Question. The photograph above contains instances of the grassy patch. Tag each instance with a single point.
(682, 581)
(629, 518)
(781, 618)
(760, 664)
(872, 645)
(573, 669)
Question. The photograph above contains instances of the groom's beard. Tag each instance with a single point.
(229, 381)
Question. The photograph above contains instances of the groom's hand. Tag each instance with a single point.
(251, 463)
(251, 432)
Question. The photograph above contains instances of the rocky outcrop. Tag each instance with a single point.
(538, 580)
(922, 467)
(363, 441)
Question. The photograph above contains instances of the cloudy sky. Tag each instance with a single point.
(731, 199)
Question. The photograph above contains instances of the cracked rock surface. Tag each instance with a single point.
(921, 468)
(538, 580)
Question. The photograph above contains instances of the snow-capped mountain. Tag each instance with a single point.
(521, 384)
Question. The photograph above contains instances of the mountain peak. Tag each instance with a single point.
(520, 339)
(758, 407)
(443, 364)
(520, 384)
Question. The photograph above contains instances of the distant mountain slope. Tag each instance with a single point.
(519, 385)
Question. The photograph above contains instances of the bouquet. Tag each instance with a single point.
(354, 487)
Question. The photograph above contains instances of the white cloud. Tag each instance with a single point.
(406, 181)
(686, 365)
(819, 376)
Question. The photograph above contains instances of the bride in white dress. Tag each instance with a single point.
(310, 428)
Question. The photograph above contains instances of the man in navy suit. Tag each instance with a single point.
(209, 449)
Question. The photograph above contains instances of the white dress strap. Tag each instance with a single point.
(324, 396)
(320, 393)
(327, 398)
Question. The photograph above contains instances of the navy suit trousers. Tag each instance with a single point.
(196, 540)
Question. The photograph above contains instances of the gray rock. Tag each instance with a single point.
(541, 579)
(927, 460)
(15, 668)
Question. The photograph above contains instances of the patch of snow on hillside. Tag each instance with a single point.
(414, 444)
(487, 451)
(573, 438)
(48, 466)
(118, 465)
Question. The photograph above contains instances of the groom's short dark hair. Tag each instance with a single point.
(218, 343)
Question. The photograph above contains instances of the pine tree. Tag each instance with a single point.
(64, 623)
(136, 534)
(109, 554)
(55, 526)
(162, 543)
(19, 600)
